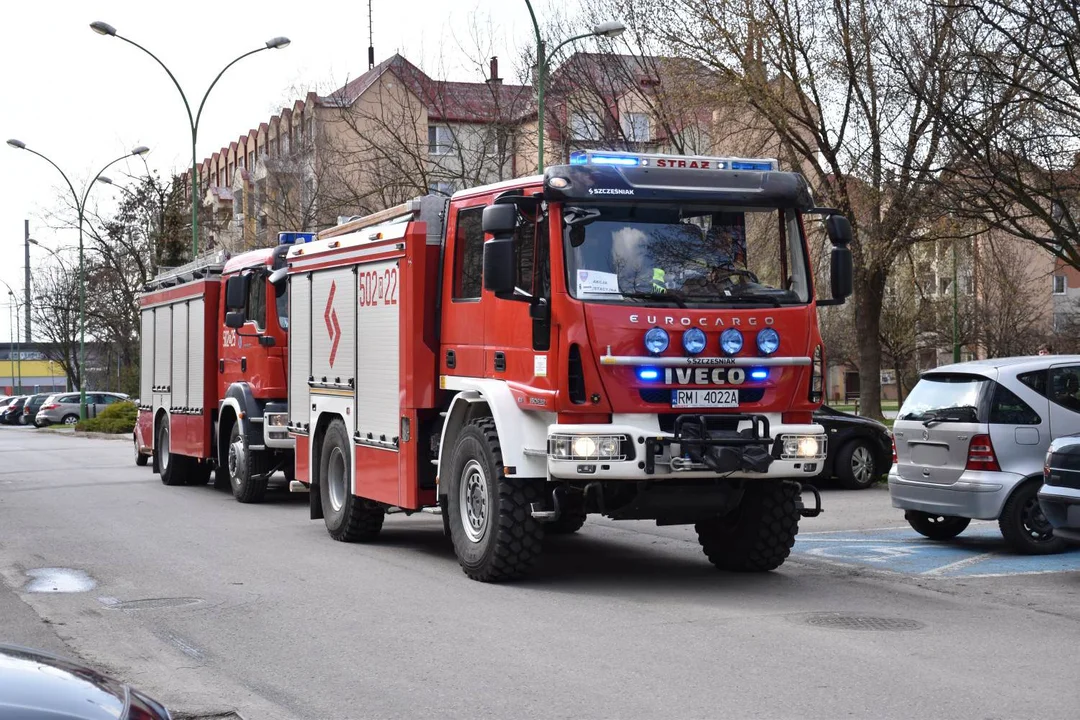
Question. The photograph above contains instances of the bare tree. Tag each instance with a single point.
(55, 311)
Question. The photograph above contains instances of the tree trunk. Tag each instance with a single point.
(869, 296)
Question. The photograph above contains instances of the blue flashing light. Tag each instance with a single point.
(292, 238)
(615, 160)
(579, 158)
(759, 374)
(731, 341)
(648, 373)
(763, 166)
(693, 341)
(768, 341)
(656, 340)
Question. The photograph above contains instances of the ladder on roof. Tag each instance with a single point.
(425, 207)
(206, 265)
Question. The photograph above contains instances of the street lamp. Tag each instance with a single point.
(103, 28)
(52, 252)
(17, 389)
(80, 207)
(609, 29)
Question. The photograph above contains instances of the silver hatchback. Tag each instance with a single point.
(63, 408)
(970, 441)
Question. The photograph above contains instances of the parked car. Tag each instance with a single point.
(971, 440)
(64, 407)
(1059, 497)
(12, 411)
(36, 685)
(859, 448)
(141, 435)
(31, 407)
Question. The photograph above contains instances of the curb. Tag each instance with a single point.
(85, 434)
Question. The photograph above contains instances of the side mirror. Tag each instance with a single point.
(236, 292)
(500, 270)
(841, 272)
(277, 278)
(839, 230)
(235, 319)
(500, 219)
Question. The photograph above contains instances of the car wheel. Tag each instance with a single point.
(140, 459)
(936, 527)
(856, 467)
(71, 419)
(1025, 527)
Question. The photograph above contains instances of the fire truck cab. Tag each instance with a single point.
(630, 335)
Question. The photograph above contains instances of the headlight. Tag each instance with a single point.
(731, 341)
(693, 341)
(656, 340)
(768, 341)
(277, 419)
(588, 447)
(802, 447)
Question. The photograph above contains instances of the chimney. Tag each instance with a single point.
(494, 79)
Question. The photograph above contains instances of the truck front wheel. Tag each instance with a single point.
(348, 518)
(494, 533)
(245, 487)
(757, 535)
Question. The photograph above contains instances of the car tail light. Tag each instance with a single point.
(895, 459)
(981, 454)
(50, 406)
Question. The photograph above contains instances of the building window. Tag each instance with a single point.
(440, 139)
(251, 160)
(584, 127)
(1059, 285)
(945, 285)
(468, 254)
(441, 188)
(635, 126)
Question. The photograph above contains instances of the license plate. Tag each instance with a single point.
(704, 398)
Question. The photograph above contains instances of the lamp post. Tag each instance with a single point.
(955, 310)
(610, 29)
(80, 207)
(14, 320)
(103, 28)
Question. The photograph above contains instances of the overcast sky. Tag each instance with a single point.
(83, 99)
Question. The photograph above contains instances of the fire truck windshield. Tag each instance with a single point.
(711, 256)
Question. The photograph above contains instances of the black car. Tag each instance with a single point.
(1059, 496)
(39, 686)
(31, 407)
(12, 411)
(859, 449)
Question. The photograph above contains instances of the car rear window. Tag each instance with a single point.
(953, 395)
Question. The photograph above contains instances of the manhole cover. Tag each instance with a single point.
(153, 603)
(848, 621)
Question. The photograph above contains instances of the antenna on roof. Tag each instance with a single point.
(371, 39)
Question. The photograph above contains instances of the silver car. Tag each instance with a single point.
(63, 408)
(970, 441)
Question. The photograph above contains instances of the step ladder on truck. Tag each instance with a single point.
(629, 335)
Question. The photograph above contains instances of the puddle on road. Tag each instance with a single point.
(58, 580)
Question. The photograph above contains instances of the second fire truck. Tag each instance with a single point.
(629, 335)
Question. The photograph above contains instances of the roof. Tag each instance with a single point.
(1015, 364)
(252, 258)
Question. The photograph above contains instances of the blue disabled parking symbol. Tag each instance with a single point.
(979, 552)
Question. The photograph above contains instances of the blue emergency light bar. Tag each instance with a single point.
(680, 162)
(292, 238)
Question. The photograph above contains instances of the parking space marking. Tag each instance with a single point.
(979, 552)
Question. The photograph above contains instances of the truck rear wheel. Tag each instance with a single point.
(494, 533)
(245, 487)
(172, 467)
(757, 535)
(348, 518)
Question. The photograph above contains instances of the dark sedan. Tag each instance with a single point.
(11, 412)
(1059, 496)
(36, 685)
(860, 449)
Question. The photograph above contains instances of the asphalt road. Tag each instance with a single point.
(215, 607)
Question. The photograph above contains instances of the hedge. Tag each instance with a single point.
(119, 418)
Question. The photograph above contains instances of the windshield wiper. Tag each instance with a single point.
(747, 299)
(660, 297)
(952, 414)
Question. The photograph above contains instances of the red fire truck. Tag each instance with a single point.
(213, 373)
(630, 335)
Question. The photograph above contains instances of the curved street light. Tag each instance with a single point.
(609, 29)
(103, 28)
(14, 340)
(80, 207)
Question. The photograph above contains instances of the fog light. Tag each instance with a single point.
(609, 447)
(276, 419)
(802, 447)
(584, 446)
(587, 447)
(808, 447)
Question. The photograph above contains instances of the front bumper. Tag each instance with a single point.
(976, 495)
(752, 450)
(1061, 506)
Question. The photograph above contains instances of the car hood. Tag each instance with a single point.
(39, 686)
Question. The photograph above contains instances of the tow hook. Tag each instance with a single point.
(539, 513)
(809, 512)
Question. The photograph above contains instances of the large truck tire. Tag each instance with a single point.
(238, 464)
(494, 533)
(348, 518)
(172, 467)
(757, 536)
